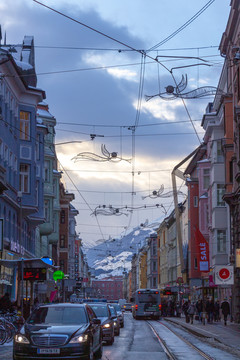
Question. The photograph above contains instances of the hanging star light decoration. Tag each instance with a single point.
(173, 93)
(106, 156)
(159, 193)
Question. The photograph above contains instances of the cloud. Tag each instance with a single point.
(161, 109)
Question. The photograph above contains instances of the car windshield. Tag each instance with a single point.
(59, 315)
(112, 310)
(100, 310)
(117, 307)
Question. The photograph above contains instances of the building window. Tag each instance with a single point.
(231, 171)
(154, 249)
(62, 217)
(221, 241)
(24, 184)
(61, 263)
(154, 282)
(24, 125)
(195, 201)
(46, 170)
(220, 157)
(195, 263)
(62, 241)
(46, 210)
(38, 141)
(220, 193)
(154, 266)
(206, 178)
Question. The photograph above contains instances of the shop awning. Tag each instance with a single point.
(27, 264)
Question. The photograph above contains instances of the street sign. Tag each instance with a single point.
(58, 275)
(179, 280)
(224, 275)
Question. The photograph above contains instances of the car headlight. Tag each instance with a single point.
(115, 324)
(106, 326)
(79, 339)
(21, 339)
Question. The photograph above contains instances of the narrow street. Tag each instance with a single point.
(148, 339)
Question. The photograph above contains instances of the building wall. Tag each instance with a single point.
(110, 289)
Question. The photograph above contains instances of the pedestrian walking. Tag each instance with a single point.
(185, 310)
(210, 310)
(191, 311)
(225, 307)
(216, 314)
(199, 309)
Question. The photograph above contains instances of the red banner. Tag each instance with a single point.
(202, 251)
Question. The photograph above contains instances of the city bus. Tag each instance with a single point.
(147, 304)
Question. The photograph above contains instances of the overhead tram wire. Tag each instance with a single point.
(127, 126)
(85, 201)
(194, 17)
(128, 46)
(138, 135)
(106, 67)
(100, 33)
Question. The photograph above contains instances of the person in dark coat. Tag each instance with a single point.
(225, 307)
(199, 309)
(216, 311)
(5, 303)
(210, 310)
(185, 310)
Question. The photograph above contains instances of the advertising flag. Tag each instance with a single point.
(202, 250)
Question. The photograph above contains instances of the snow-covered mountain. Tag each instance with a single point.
(113, 256)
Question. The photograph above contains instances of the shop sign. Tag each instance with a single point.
(224, 275)
(35, 274)
(203, 251)
(238, 258)
(58, 275)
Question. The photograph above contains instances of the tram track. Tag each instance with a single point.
(169, 352)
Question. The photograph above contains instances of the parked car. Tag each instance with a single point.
(119, 313)
(116, 321)
(127, 307)
(69, 331)
(103, 313)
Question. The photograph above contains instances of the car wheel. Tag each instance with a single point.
(99, 352)
(91, 354)
(111, 341)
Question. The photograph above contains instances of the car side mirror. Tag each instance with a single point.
(96, 321)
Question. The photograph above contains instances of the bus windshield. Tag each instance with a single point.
(147, 298)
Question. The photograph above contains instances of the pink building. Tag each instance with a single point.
(109, 288)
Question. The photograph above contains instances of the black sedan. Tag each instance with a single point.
(59, 331)
(103, 313)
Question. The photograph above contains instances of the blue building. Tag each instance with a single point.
(21, 157)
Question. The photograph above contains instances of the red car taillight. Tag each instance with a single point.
(136, 307)
(160, 306)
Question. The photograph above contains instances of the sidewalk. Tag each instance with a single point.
(227, 335)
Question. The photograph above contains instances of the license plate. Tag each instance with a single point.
(48, 351)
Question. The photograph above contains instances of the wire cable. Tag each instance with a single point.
(194, 17)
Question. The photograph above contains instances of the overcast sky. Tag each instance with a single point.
(93, 83)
